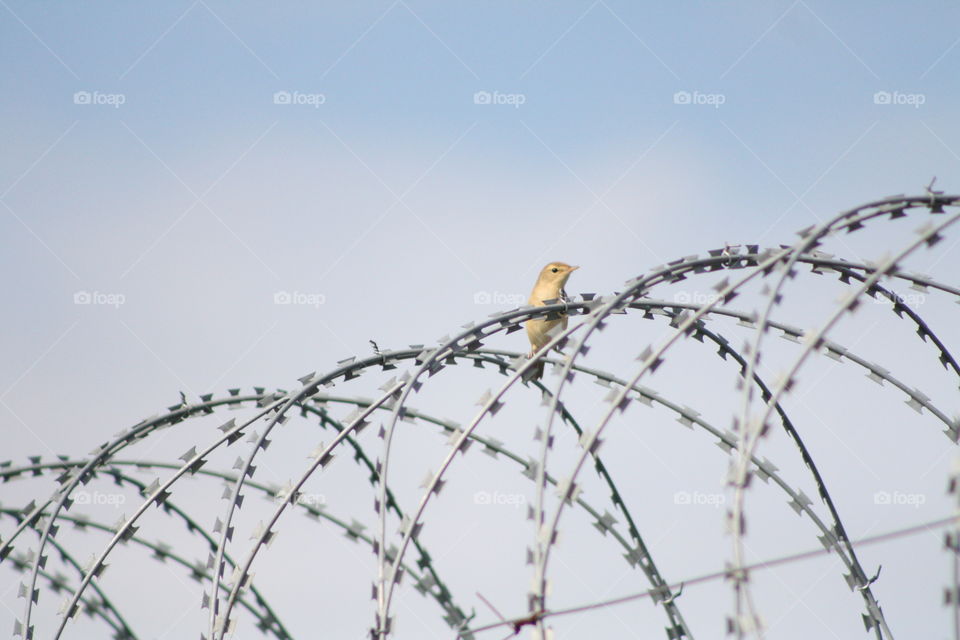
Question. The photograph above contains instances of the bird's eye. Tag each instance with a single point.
(555, 269)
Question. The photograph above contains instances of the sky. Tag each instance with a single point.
(198, 196)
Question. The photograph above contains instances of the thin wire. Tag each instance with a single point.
(766, 564)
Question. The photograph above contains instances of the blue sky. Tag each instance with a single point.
(145, 157)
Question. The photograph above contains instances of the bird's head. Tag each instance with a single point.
(556, 273)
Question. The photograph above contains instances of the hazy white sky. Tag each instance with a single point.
(391, 167)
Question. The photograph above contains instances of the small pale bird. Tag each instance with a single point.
(549, 286)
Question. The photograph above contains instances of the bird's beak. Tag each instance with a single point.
(574, 268)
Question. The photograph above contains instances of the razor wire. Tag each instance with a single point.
(221, 594)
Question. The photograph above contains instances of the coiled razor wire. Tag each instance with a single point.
(227, 578)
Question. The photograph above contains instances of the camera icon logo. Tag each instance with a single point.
(82, 297)
(881, 497)
(482, 497)
(882, 97)
(682, 97)
(481, 297)
(282, 297)
(81, 97)
(482, 97)
(282, 97)
(682, 497)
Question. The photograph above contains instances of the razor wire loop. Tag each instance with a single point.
(200, 570)
(750, 433)
(603, 520)
(39, 517)
(430, 361)
(62, 500)
(635, 555)
(321, 458)
(234, 399)
(596, 514)
(173, 418)
(503, 365)
(161, 552)
(676, 619)
(865, 217)
(794, 497)
(651, 359)
(544, 537)
(490, 402)
(170, 508)
(58, 582)
(159, 494)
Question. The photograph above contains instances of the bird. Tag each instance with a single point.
(549, 286)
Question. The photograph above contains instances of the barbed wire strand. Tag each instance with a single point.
(924, 527)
